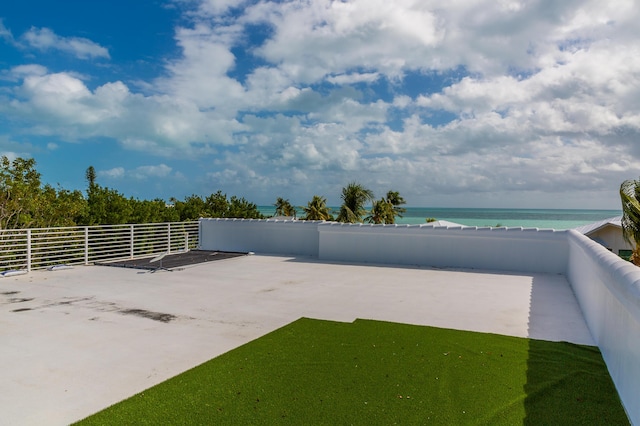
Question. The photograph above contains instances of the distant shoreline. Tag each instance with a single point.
(526, 218)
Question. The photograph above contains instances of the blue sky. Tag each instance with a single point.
(454, 104)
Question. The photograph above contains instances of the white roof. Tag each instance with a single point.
(102, 351)
(595, 226)
(443, 223)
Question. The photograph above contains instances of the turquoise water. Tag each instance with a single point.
(527, 218)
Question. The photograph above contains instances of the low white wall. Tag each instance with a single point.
(515, 249)
(298, 237)
(508, 249)
(608, 291)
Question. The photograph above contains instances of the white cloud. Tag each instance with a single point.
(214, 8)
(18, 73)
(22, 71)
(352, 78)
(63, 104)
(5, 33)
(115, 173)
(201, 74)
(594, 92)
(13, 149)
(145, 172)
(45, 39)
(56, 98)
(330, 38)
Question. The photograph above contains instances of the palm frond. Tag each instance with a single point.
(629, 191)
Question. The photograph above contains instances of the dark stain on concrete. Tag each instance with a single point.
(156, 316)
(21, 310)
(20, 299)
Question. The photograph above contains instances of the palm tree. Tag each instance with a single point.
(630, 196)
(354, 197)
(284, 208)
(396, 200)
(90, 174)
(386, 209)
(317, 209)
(381, 212)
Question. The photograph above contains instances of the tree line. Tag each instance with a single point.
(26, 203)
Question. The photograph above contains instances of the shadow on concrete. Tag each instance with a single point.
(310, 259)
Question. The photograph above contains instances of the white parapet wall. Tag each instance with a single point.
(608, 291)
(297, 237)
(507, 249)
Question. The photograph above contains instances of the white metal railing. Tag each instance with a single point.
(38, 248)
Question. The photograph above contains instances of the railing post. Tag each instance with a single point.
(199, 234)
(131, 241)
(28, 250)
(86, 245)
(168, 238)
(186, 241)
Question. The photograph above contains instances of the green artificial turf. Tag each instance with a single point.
(372, 372)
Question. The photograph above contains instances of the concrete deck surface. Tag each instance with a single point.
(73, 342)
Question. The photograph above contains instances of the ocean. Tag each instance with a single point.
(526, 218)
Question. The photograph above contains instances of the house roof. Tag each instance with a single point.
(443, 223)
(596, 226)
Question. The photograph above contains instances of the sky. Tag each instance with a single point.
(463, 103)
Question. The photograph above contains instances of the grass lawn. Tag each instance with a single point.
(372, 372)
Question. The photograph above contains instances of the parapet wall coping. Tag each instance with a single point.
(271, 221)
(462, 231)
(423, 226)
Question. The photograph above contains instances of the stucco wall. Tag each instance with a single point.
(608, 291)
(296, 237)
(515, 249)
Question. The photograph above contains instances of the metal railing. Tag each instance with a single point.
(39, 248)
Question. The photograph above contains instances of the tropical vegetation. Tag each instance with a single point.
(26, 203)
(317, 209)
(284, 208)
(385, 210)
(354, 198)
(215, 205)
(630, 197)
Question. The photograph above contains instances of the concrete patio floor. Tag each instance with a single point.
(75, 341)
